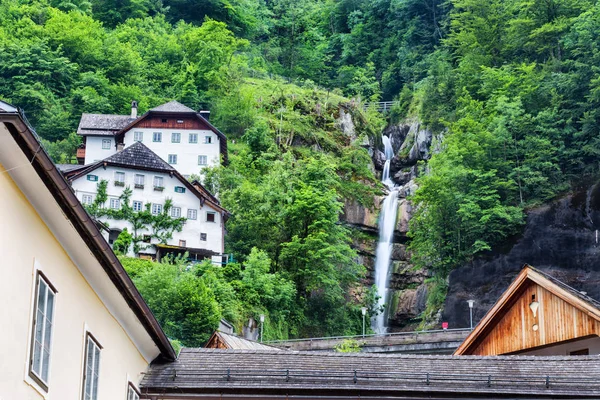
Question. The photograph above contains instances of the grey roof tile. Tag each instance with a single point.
(173, 106)
(102, 124)
(139, 156)
(292, 372)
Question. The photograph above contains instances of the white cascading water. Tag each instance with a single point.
(387, 224)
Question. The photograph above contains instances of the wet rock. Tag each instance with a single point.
(408, 304)
(560, 239)
(397, 134)
(358, 215)
(404, 215)
(399, 252)
(378, 158)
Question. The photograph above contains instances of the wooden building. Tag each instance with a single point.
(228, 341)
(537, 315)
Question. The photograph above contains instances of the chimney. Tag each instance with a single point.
(134, 109)
(205, 114)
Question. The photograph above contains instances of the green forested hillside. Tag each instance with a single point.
(513, 84)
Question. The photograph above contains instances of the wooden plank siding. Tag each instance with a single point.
(156, 121)
(513, 331)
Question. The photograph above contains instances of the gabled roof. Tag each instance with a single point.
(83, 225)
(216, 373)
(173, 106)
(220, 340)
(528, 274)
(102, 124)
(138, 156)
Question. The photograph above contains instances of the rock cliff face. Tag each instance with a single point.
(562, 239)
(411, 143)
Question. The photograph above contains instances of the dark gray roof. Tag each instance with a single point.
(214, 371)
(7, 107)
(69, 167)
(173, 106)
(238, 343)
(138, 156)
(102, 124)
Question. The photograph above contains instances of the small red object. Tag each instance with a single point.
(444, 325)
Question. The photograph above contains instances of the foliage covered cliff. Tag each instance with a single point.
(511, 84)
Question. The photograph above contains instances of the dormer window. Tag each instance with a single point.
(180, 121)
(164, 121)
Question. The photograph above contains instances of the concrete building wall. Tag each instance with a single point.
(94, 151)
(29, 245)
(192, 229)
(187, 153)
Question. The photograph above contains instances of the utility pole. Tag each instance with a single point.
(471, 302)
(364, 313)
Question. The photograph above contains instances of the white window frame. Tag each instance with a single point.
(139, 179)
(176, 212)
(115, 204)
(207, 139)
(106, 143)
(138, 136)
(193, 136)
(202, 160)
(157, 137)
(175, 135)
(214, 214)
(137, 203)
(132, 392)
(87, 199)
(46, 338)
(158, 179)
(172, 159)
(192, 213)
(118, 175)
(157, 208)
(92, 372)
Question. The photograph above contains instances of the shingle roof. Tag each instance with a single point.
(294, 373)
(583, 297)
(139, 156)
(102, 124)
(172, 106)
(238, 343)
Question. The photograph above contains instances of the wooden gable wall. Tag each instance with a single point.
(513, 331)
(156, 121)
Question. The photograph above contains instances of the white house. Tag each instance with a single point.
(152, 181)
(74, 325)
(179, 135)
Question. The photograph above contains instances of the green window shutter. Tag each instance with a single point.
(179, 189)
(93, 178)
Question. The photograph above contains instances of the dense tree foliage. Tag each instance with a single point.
(512, 84)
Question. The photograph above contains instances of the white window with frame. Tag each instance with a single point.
(137, 205)
(157, 209)
(91, 369)
(158, 182)
(43, 319)
(202, 160)
(132, 392)
(193, 138)
(207, 139)
(172, 159)
(139, 181)
(175, 137)
(176, 212)
(192, 213)
(120, 177)
(138, 136)
(115, 204)
(106, 144)
(211, 216)
(157, 137)
(87, 199)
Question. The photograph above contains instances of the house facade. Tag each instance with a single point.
(176, 133)
(75, 326)
(152, 182)
(537, 315)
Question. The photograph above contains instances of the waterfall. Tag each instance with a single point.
(387, 224)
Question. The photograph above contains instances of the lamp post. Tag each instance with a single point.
(262, 323)
(471, 302)
(364, 313)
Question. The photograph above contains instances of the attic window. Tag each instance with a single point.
(164, 120)
(180, 121)
(210, 217)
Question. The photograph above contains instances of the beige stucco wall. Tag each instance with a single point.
(25, 241)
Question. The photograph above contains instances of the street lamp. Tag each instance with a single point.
(262, 323)
(471, 302)
(364, 313)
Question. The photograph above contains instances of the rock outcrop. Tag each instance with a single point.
(562, 239)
